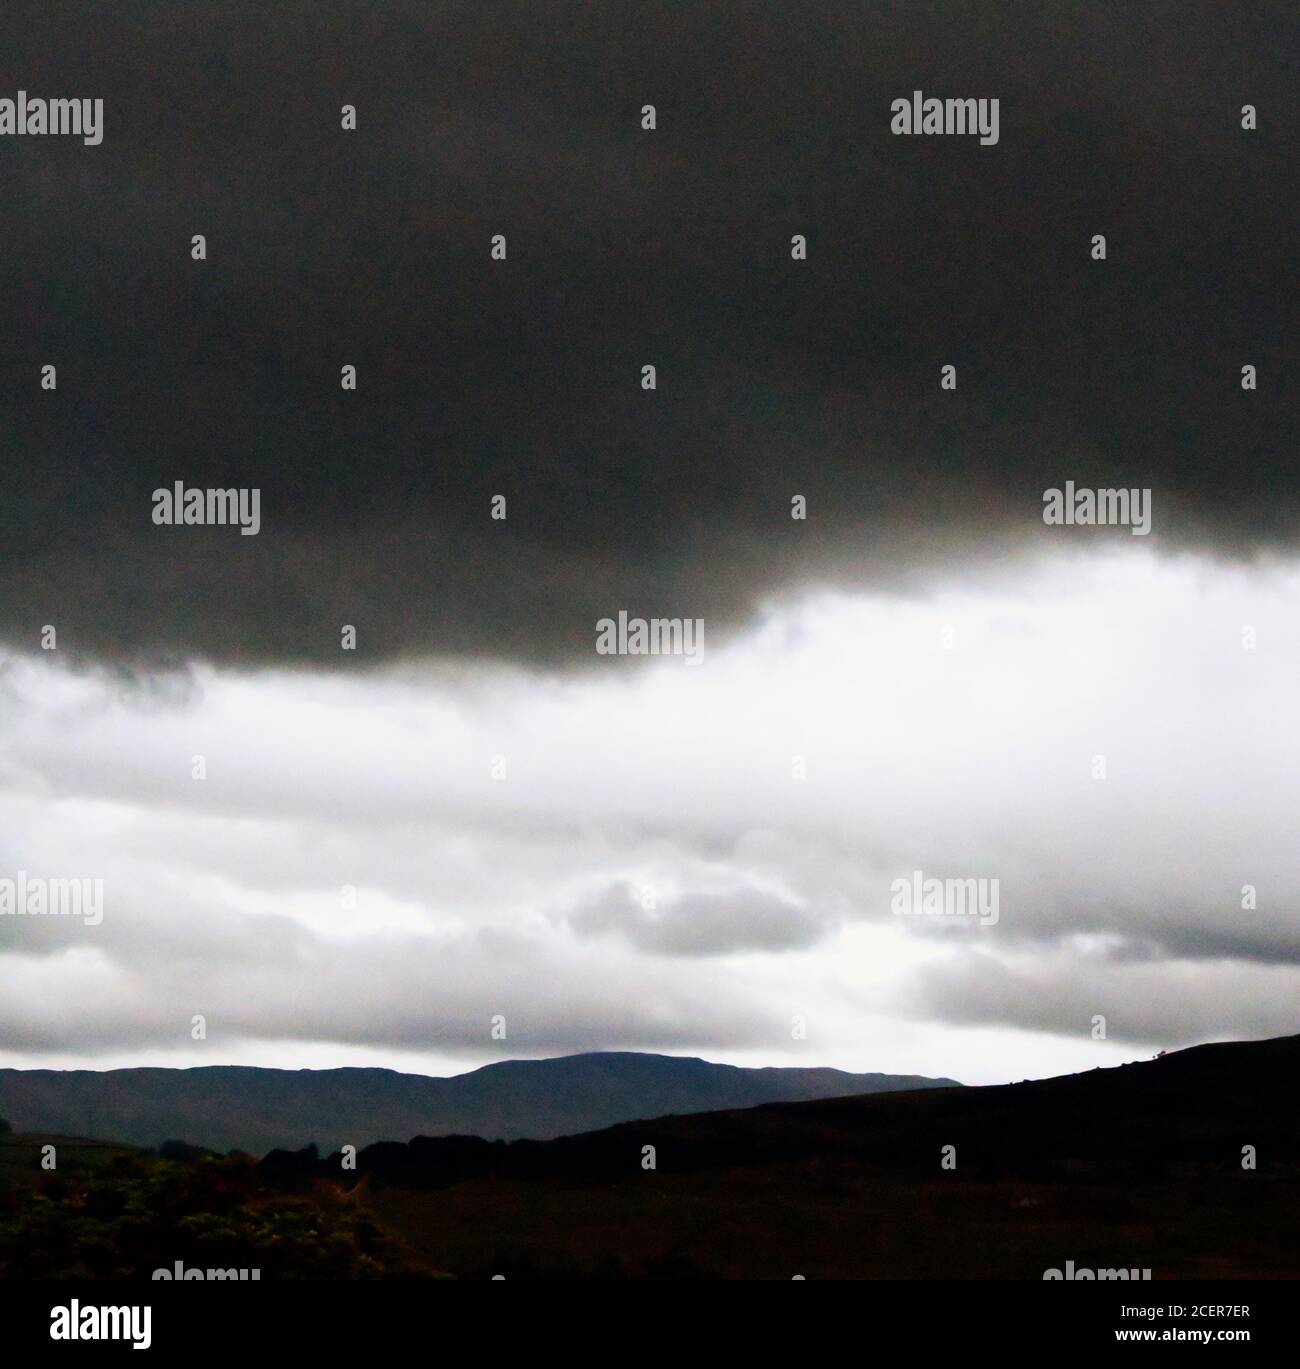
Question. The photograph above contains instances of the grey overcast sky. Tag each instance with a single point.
(475, 814)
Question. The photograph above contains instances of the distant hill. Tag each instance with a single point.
(229, 1107)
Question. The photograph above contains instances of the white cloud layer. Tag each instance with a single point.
(650, 873)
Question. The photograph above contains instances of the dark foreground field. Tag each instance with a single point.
(1136, 1167)
(852, 1222)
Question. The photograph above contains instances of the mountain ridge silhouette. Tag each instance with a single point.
(250, 1108)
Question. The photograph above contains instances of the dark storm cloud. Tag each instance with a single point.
(626, 247)
(1170, 1003)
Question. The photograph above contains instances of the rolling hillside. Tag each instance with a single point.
(256, 1110)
